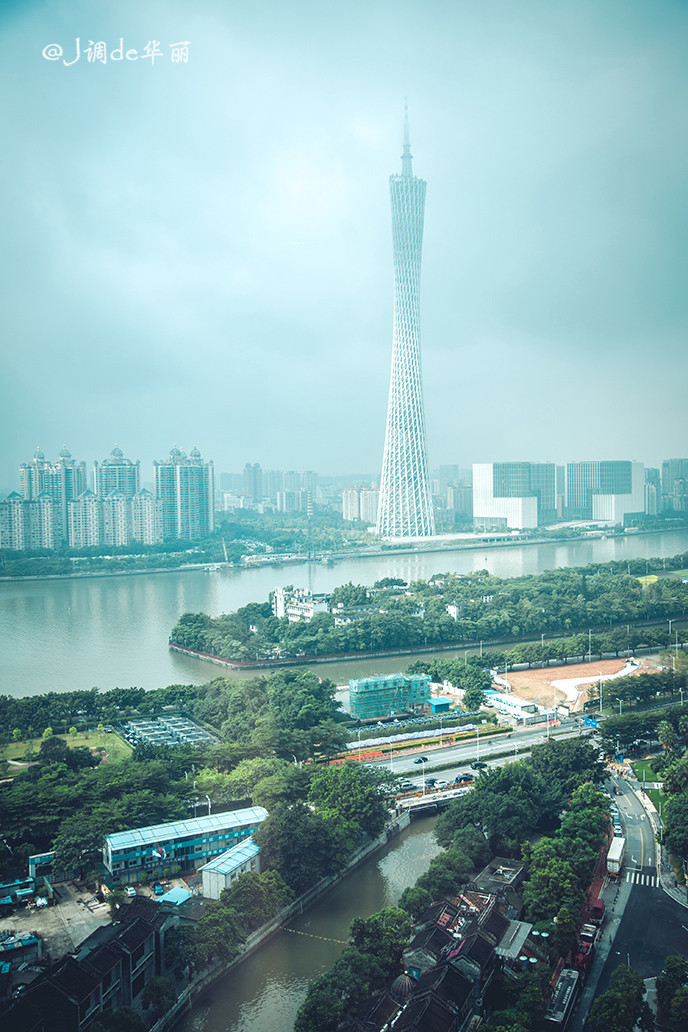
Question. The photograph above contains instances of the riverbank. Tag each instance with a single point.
(431, 547)
(196, 989)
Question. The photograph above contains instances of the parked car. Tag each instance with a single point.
(158, 889)
(130, 890)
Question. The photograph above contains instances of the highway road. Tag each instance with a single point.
(518, 743)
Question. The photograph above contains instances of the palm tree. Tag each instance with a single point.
(666, 735)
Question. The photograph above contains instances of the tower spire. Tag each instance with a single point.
(406, 156)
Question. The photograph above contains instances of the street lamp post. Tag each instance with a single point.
(208, 798)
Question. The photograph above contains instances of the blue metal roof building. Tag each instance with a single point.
(132, 855)
(223, 870)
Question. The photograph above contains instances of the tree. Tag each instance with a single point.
(124, 1019)
(303, 846)
(414, 900)
(17, 735)
(159, 995)
(622, 1007)
(673, 978)
(73, 732)
(676, 825)
(47, 734)
(666, 735)
(351, 793)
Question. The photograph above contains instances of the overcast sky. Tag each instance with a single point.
(200, 253)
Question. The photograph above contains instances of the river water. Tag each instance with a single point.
(264, 993)
(112, 631)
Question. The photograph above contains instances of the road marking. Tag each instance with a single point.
(638, 878)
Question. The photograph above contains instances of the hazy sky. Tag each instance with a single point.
(200, 254)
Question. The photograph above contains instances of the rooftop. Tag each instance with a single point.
(160, 833)
(227, 862)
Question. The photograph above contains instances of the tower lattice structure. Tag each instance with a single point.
(405, 508)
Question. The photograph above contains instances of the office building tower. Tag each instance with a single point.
(116, 474)
(608, 491)
(405, 508)
(186, 488)
(675, 485)
(253, 481)
(513, 495)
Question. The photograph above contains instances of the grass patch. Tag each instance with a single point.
(115, 746)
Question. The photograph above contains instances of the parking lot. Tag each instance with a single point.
(72, 917)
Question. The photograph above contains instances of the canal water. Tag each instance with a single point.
(60, 635)
(264, 993)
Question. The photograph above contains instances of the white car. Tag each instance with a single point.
(130, 890)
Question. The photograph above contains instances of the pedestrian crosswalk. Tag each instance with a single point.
(641, 878)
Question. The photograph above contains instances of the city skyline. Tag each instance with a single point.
(199, 251)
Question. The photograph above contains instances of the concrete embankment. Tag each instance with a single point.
(217, 971)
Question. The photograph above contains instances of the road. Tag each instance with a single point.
(644, 925)
(518, 742)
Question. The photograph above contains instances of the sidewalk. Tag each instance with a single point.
(665, 875)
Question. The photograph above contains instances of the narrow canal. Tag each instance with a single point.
(264, 993)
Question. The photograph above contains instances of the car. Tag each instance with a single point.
(130, 890)
(478, 765)
(158, 889)
(618, 791)
(407, 786)
(441, 784)
(431, 782)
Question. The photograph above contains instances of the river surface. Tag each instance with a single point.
(264, 993)
(112, 631)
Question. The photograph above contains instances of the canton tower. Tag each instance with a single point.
(405, 508)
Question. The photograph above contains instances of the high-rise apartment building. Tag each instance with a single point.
(146, 518)
(27, 525)
(186, 488)
(405, 508)
(116, 474)
(85, 521)
(253, 481)
(63, 480)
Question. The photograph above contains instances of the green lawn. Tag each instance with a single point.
(641, 767)
(115, 747)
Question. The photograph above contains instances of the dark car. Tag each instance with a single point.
(478, 765)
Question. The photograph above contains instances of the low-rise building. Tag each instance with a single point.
(132, 855)
(371, 697)
(219, 873)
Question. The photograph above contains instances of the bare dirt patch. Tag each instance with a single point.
(536, 685)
